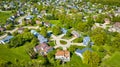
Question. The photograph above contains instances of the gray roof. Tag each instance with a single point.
(83, 50)
(7, 39)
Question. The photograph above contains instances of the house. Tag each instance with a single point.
(38, 22)
(64, 31)
(107, 21)
(86, 40)
(29, 17)
(39, 16)
(2, 29)
(41, 38)
(20, 30)
(47, 24)
(75, 33)
(6, 39)
(63, 55)
(34, 33)
(116, 25)
(42, 49)
(80, 52)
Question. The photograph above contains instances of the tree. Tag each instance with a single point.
(51, 58)
(91, 58)
(20, 39)
(56, 30)
(43, 32)
(68, 34)
(116, 42)
(99, 36)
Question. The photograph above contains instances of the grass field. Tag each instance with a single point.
(113, 61)
(12, 54)
(4, 16)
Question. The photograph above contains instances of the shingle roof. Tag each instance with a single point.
(83, 50)
(39, 36)
(86, 40)
(7, 39)
(64, 31)
(43, 48)
(64, 53)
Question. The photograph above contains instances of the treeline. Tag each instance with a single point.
(106, 2)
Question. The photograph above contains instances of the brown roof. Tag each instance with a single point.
(43, 47)
(117, 24)
(64, 53)
(2, 29)
(21, 28)
(38, 22)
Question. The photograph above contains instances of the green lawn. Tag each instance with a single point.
(4, 16)
(19, 53)
(113, 61)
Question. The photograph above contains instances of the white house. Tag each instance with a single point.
(63, 55)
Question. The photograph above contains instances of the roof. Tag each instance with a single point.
(7, 38)
(86, 40)
(64, 53)
(2, 29)
(29, 17)
(75, 33)
(64, 31)
(43, 48)
(41, 38)
(117, 24)
(83, 50)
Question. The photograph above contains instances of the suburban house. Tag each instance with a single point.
(41, 38)
(80, 52)
(115, 27)
(20, 30)
(64, 31)
(47, 24)
(86, 40)
(42, 49)
(28, 19)
(38, 22)
(6, 39)
(107, 21)
(2, 29)
(75, 33)
(63, 55)
(117, 12)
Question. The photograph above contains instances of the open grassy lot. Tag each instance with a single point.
(113, 61)
(12, 54)
(4, 16)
